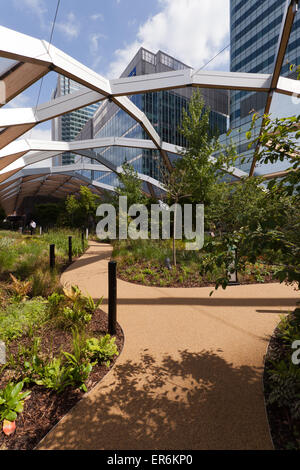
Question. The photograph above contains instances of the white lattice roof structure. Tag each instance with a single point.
(25, 60)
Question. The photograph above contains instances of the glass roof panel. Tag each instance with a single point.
(282, 106)
(6, 64)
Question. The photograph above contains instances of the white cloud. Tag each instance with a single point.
(94, 42)
(70, 27)
(94, 48)
(190, 30)
(38, 7)
(97, 16)
(20, 101)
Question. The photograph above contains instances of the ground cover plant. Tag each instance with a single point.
(57, 346)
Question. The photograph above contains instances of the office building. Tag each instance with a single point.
(164, 111)
(254, 30)
(68, 126)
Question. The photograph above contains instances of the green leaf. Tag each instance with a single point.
(19, 407)
(10, 415)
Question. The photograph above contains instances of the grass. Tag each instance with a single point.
(27, 257)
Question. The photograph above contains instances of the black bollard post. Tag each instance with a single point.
(82, 240)
(112, 297)
(70, 250)
(52, 256)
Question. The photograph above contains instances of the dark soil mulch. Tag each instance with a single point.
(44, 408)
(282, 430)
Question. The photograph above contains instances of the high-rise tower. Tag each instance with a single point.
(254, 30)
(68, 126)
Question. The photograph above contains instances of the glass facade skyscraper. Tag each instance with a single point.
(164, 111)
(254, 28)
(68, 126)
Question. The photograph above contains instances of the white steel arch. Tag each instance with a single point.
(34, 58)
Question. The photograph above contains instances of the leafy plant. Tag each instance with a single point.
(20, 288)
(58, 373)
(76, 308)
(75, 316)
(102, 349)
(55, 303)
(12, 401)
(285, 383)
(77, 371)
(289, 329)
(80, 301)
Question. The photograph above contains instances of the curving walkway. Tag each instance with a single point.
(190, 374)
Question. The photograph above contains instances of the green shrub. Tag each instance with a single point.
(289, 327)
(58, 374)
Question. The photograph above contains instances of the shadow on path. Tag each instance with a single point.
(210, 302)
(175, 404)
(88, 260)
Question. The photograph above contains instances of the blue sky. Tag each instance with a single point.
(106, 34)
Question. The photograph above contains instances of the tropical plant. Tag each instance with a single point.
(81, 307)
(56, 373)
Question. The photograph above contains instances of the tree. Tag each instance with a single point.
(176, 184)
(130, 186)
(203, 170)
(275, 230)
(80, 210)
(246, 203)
(196, 174)
(279, 141)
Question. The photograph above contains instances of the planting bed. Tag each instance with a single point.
(44, 408)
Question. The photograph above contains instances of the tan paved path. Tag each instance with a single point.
(190, 374)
